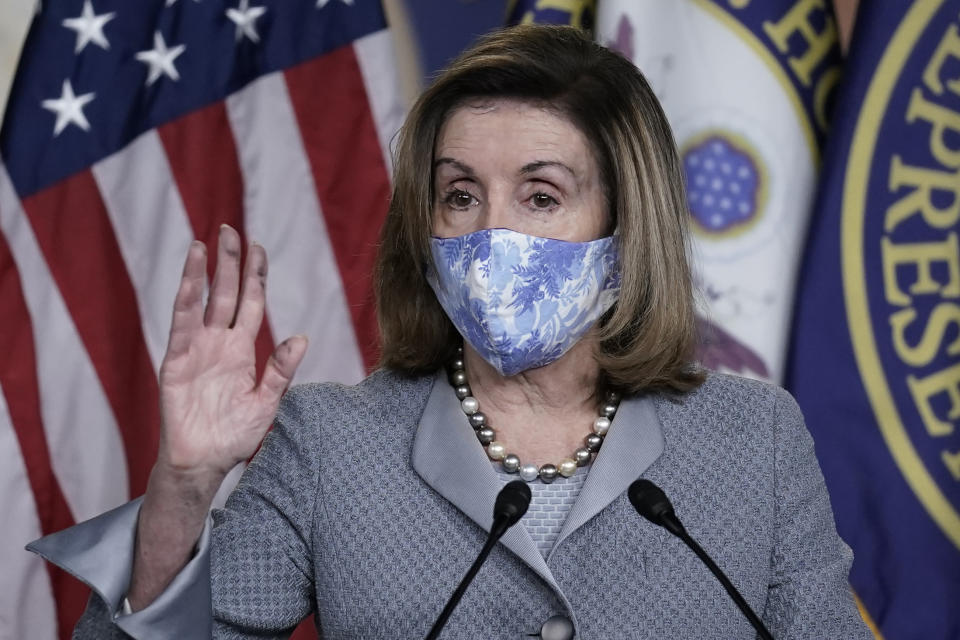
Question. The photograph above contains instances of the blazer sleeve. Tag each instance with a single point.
(100, 553)
(251, 574)
(810, 595)
(262, 561)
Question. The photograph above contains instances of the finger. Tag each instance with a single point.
(188, 303)
(280, 368)
(226, 280)
(253, 292)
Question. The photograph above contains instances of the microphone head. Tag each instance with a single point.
(512, 502)
(650, 501)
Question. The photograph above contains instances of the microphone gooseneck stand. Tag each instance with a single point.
(512, 502)
(652, 503)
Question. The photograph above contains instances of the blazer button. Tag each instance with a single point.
(557, 628)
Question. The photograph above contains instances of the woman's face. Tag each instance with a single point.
(515, 165)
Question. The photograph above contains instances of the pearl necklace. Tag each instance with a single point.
(529, 472)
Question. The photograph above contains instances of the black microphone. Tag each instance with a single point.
(652, 503)
(511, 503)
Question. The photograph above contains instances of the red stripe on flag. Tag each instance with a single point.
(205, 165)
(340, 136)
(74, 232)
(18, 377)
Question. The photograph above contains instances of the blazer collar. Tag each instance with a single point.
(633, 443)
(448, 457)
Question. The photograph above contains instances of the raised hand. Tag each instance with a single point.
(214, 411)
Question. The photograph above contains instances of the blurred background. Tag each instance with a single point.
(821, 149)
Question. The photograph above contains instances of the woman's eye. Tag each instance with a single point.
(459, 199)
(543, 201)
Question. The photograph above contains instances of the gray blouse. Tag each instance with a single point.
(549, 506)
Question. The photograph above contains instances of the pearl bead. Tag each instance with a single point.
(582, 456)
(608, 409)
(593, 442)
(459, 351)
(485, 435)
(528, 472)
(469, 405)
(462, 391)
(613, 397)
(601, 425)
(567, 467)
(496, 450)
(458, 378)
(477, 419)
(548, 473)
(511, 463)
(456, 364)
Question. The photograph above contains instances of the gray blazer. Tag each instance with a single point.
(367, 503)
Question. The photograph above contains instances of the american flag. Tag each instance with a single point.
(133, 128)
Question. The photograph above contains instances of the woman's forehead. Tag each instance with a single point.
(513, 131)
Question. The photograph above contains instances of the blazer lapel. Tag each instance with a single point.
(448, 457)
(633, 443)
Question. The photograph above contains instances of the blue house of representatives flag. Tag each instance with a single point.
(876, 356)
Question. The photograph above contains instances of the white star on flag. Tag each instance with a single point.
(160, 59)
(69, 109)
(170, 3)
(89, 27)
(245, 17)
(322, 3)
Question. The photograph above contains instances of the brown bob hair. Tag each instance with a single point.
(647, 339)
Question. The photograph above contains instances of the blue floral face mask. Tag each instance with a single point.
(523, 301)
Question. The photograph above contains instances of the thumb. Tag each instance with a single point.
(281, 367)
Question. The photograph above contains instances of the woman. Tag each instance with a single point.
(537, 320)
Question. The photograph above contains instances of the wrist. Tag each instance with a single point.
(194, 474)
(191, 489)
(170, 523)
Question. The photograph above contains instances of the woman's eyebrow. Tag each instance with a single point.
(466, 169)
(540, 164)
